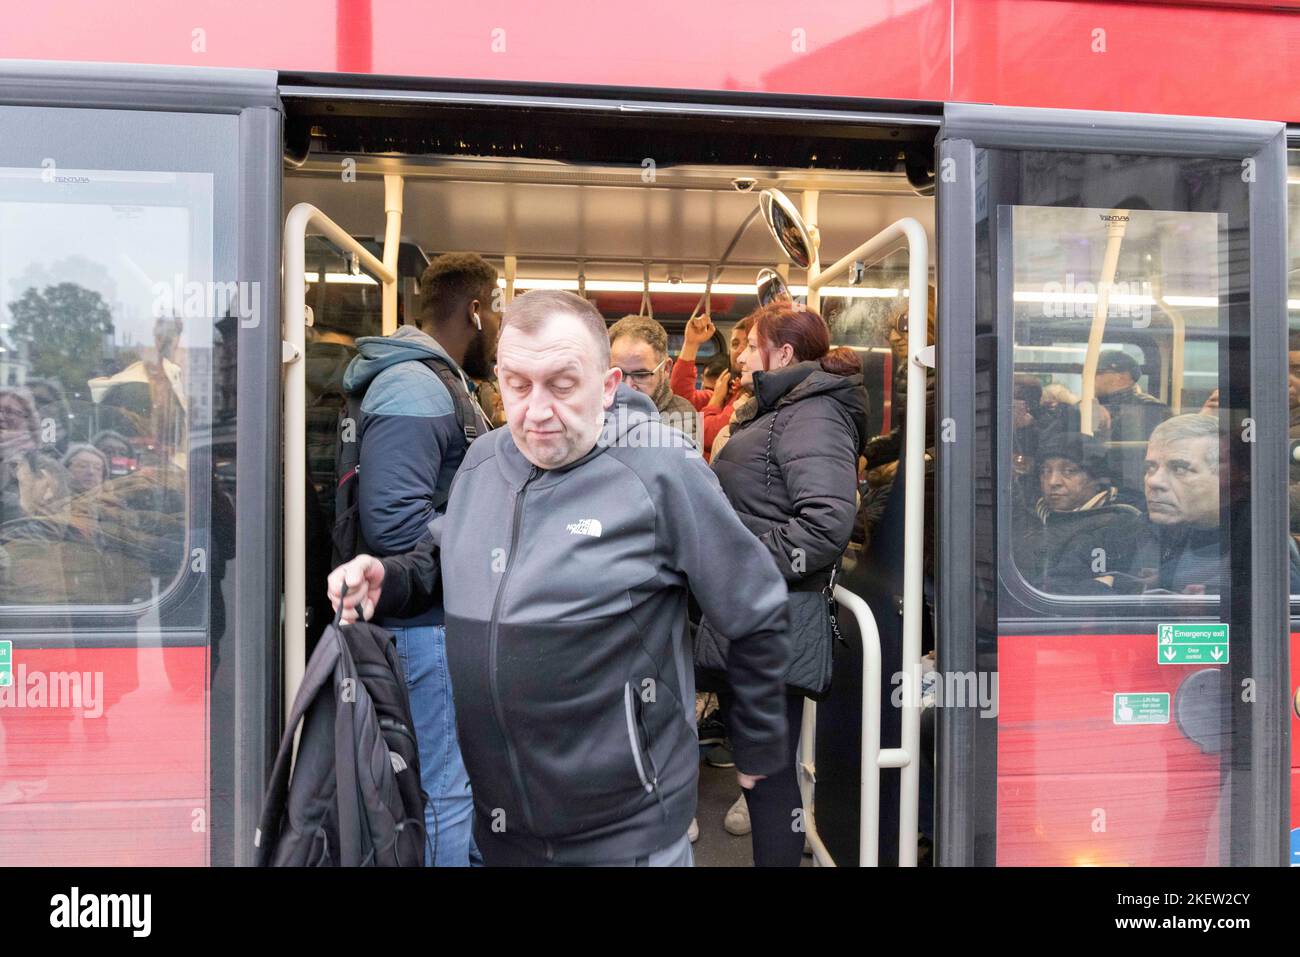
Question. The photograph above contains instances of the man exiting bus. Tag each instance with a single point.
(412, 443)
(567, 548)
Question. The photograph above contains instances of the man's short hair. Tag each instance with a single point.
(452, 280)
(643, 329)
(717, 365)
(527, 313)
(1193, 425)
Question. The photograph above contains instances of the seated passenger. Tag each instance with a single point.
(1133, 414)
(1077, 532)
(639, 346)
(1179, 549)
(87, 468)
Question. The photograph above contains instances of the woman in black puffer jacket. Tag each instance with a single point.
(789, 469)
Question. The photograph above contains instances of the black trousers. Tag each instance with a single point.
(775, 805)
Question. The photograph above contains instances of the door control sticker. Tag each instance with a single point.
(1192, 644)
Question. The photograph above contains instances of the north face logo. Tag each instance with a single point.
(588, 526)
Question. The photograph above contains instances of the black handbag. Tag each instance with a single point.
(812, 628)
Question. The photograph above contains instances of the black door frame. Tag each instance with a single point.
(966, 793)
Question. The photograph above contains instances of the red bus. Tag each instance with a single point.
(198, 218)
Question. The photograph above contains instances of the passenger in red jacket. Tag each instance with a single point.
(715, 405)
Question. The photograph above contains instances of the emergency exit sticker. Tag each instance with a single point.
(1142, 708)
(1192, 644)
(6, 663)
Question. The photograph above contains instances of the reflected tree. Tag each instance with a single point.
(65, 326)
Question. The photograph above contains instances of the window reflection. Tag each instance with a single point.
(97, 372)
(1115, 417)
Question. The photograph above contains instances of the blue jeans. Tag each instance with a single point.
(449, 813)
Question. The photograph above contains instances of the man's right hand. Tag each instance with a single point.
(363, 576)
(699, 330)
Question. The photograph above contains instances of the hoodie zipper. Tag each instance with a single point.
(493, 633)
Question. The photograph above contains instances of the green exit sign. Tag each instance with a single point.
(1178, 644)
(1141, 707)
(6, 663)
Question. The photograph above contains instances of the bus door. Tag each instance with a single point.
(1112, 679)
(139, 449)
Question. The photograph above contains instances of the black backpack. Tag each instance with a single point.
(354, 798)
(348, 541)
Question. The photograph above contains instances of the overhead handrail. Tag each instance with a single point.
(301, 218)
(647, 304)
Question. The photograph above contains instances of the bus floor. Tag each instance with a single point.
(717, 848)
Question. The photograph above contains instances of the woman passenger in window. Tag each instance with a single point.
(1078, 534)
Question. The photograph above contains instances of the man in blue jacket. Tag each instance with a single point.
(411, 446)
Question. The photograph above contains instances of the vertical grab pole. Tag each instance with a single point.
(918, 278)
(293, 332)
(906, 757)
(393, 187)
(1115, 227)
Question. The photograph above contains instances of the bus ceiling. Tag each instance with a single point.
(577, 129)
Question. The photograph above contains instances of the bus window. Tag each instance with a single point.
(99, 381)
(130, 272)
(1115, 416)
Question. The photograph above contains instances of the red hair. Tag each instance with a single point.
(842, 361)
(783, 323)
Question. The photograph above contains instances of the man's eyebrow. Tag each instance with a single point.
(565, 367)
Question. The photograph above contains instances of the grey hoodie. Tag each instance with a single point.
(565, 596)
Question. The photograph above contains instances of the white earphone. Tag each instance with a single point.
(478, 323)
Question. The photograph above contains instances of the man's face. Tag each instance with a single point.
(738, 343)
(553, 390)
(480, 354)
(1065, 484)
(1110, 381)
(1293, 378)
(642, 369)
(1181, 486)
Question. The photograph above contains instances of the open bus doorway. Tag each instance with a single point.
(648, 217)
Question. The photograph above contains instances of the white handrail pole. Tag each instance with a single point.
(869, 776)
(918, 277)
(393, 187)
(293, 330)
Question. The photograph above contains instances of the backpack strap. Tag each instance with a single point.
(467, 416)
